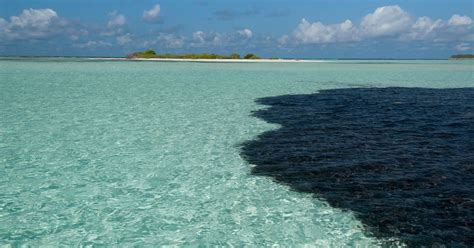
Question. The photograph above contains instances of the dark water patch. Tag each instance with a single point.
(402, 159)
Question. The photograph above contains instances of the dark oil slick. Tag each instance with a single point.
(402, 159)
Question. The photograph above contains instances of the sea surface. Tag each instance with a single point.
(219, 154)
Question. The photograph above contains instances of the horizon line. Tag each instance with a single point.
(302, 58)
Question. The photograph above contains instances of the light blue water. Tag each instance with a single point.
(148, 153)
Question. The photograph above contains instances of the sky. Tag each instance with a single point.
(287, 29)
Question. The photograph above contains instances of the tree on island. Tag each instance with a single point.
(251, 56)
(152, 54)
(145, 54)
(235, 56)
(462, 56)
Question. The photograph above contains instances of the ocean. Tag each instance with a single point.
(220, 154)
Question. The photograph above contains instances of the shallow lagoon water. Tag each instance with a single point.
(137, 153)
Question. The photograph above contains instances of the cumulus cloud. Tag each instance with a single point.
(238, 37)
(116, 24)
(199, 37)
(387, 22)
(37, 18)
(319, 33)
(457, 28)
(424, 28)
(245, 33)
(457, 20)
(153, 14)
(116, 20)
(171, 40)
(32, 24)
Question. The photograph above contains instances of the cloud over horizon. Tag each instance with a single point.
(32, 24)
(116, 24)
(387, 22)
(152, 15)
(203, 39)
(120, 31)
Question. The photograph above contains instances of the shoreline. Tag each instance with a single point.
(216, 60)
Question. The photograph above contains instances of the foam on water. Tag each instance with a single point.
(149, 153)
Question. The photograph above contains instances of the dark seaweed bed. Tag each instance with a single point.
(402, 159)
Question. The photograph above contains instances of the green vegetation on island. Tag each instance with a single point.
(251, 56)
(152, 54)
(462, 56)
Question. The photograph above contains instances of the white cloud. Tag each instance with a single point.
(424, 28)
(219, 39)
(116, 20)
(38, 18)
(116, 24)
(93, 44)
(239, 37)
(76, 31)
(3, 23)
(457, 28)
(245, 33)
(167, 40)
(385, 21)
(153, 14)
(199, 37)
(31, 24)
(319, 33)
(462, 47)
(171, 40)
(456, 20)
(124, 39)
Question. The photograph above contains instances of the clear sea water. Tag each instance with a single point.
(149, 153)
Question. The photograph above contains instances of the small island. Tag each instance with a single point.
(462, 56)
(150, 54)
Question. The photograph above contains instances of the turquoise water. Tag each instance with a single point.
(148, 153)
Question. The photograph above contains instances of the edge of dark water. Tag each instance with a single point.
(401, 159)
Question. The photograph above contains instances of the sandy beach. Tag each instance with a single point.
(217, 60)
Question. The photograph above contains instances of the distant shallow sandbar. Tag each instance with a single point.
(213, 60)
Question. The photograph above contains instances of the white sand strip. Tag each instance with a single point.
(216, 60)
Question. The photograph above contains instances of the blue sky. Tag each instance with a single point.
(303, 29)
